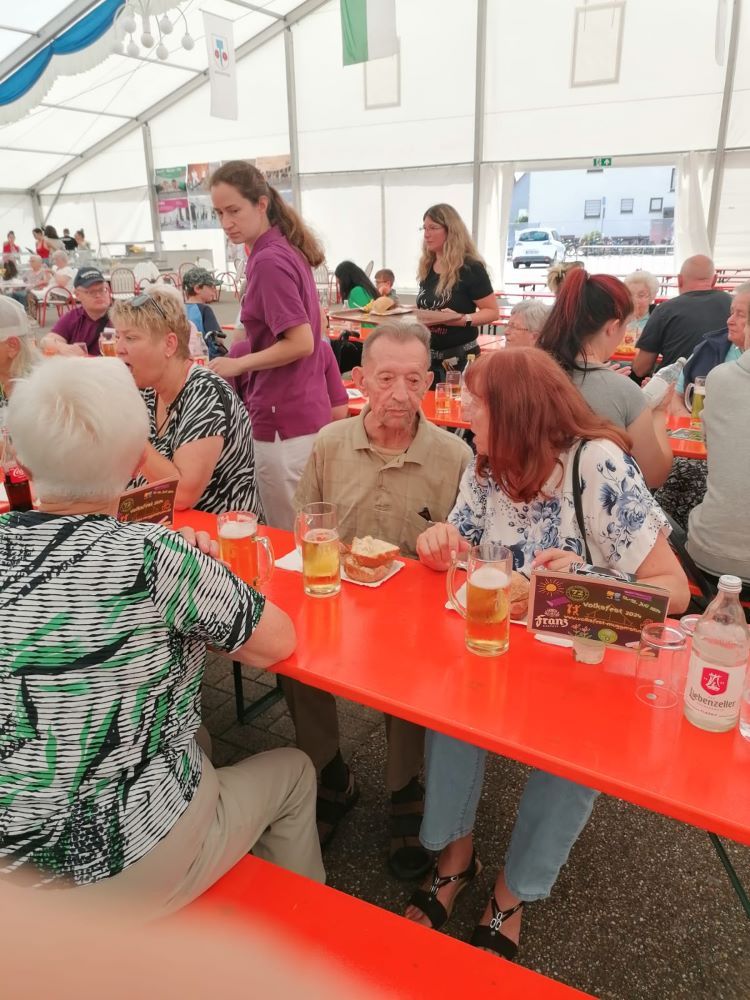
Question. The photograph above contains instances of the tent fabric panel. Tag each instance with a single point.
(17, 213)
(345, 213)
(732, 242)
(433, 121)
(185, 133)
(19, 169)
(57, 131)
(120, 166)
(109, 217)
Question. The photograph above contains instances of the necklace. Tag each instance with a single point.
(170, 407)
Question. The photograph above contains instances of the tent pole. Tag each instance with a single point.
(721, 140)
(481, 66)
(54, 200)
(291, 107)
(36, 203)
(148, 153)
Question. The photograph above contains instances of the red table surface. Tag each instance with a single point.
(396, 648)
(682, 448)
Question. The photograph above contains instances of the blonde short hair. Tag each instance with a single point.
(79, 427)
(159, 314)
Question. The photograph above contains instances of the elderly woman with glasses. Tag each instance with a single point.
(199, 431)
(525, 324)
(107, 788)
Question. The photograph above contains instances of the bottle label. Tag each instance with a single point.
(16, 475)
(713, 690)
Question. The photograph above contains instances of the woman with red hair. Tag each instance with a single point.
(529, 423)
(587, 322)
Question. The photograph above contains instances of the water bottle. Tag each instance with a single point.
(657, 387)
(718, 662)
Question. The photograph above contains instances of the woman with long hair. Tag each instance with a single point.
(287, 397)
(355, 287)
(455, 292)
(587, 322)
(529, 424)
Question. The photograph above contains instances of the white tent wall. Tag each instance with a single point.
(17, 213)
(110, 218)
(733, 238)
(434, 119)
(120, 166)
(667, 98)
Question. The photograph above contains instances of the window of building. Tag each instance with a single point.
(668, 212)
(672, 179)
(656, 205)
(626, 206)
(592, 208)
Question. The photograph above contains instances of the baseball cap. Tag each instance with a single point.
(197, 276)
(13, 319)
(87, 276)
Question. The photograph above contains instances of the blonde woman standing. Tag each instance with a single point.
(455, 292)
(286, 392)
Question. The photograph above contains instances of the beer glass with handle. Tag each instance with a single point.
(317, 535)
(240, 547)
(695, 398)
(487, 610)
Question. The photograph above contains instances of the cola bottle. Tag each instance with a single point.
(15, 480)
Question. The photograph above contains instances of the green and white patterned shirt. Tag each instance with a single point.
(103, 635)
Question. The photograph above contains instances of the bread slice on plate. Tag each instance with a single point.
(369, 551)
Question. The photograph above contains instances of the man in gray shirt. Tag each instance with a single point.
(676, 326)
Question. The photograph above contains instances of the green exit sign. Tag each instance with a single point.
(602, 161)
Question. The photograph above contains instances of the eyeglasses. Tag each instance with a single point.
(517, 329)
(141, 300)
(430, 229)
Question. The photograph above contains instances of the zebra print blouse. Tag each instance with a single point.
(207, 407)
(105, 628)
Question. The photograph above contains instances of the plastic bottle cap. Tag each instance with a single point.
(731, 584)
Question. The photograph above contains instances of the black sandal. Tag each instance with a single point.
(430, 905)
(489, 937)
(331, 807)
(407, 859)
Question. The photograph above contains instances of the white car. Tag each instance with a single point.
(537, 246)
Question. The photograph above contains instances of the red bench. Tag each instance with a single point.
(386, 951)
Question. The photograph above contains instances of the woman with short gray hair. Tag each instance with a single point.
(105, 631)
(525, 324)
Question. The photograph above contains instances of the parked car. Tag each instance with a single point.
(537, 246)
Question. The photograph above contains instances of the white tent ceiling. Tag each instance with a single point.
(482, 89)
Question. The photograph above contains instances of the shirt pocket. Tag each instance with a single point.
(414, 525)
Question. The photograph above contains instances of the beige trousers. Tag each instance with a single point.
(317, 725)
(278, 469)
(265, 804)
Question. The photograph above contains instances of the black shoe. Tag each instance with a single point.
(332, 806)
(408, 860)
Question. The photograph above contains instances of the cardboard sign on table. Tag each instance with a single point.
(154, 503)
(593, 607)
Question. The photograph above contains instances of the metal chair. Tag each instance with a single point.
(61, 298)
(123, 283)
(368, 269)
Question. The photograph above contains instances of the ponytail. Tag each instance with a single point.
(251, 184)
(584, 304)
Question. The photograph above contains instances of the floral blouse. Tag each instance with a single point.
(622, 519)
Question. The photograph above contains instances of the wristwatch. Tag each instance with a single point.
(468, 319)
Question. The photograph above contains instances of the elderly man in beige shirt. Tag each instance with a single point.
(391, 473)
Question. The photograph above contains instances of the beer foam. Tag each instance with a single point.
(489, 578)
(238, 529)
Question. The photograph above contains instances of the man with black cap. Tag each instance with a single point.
(84, 324)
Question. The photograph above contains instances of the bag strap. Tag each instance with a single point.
(577, 503)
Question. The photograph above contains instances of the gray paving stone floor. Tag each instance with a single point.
(642, 911)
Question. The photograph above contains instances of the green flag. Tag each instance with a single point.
(368, 29)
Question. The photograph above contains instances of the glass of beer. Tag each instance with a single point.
(487, 610)
(107, 342)
(453, 381)
(695, 398)
(240, 547)
(442, 400)
(317, 534)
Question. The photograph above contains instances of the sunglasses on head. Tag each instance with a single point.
(141, 300)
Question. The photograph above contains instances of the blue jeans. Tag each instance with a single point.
(551, 814)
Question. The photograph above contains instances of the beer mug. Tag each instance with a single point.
(487, 612)
(108, 342)
(240, 545)
(695, 397)
(317, 535)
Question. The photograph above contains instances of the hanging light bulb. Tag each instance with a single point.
(162, 51)
(165, 25)
(127, 21)
(132, 49)
(187, 42)
(147, 40)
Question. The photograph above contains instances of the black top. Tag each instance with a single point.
(676, 326)
(473, 284)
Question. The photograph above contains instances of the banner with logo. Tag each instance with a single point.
(222, 68)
